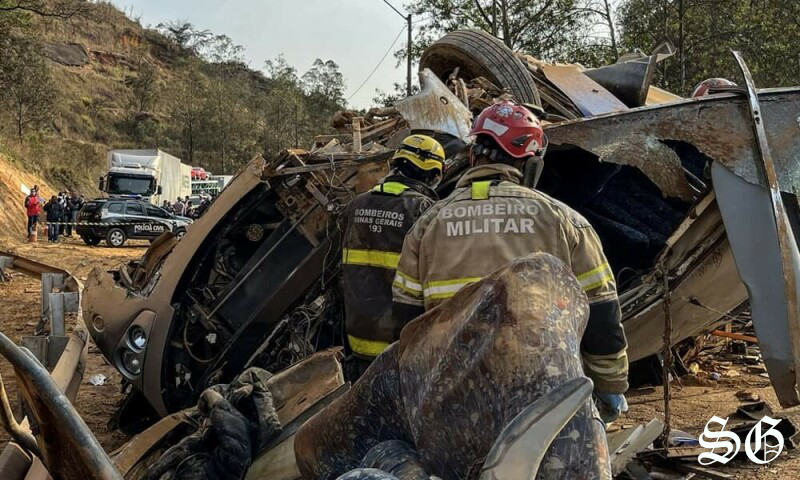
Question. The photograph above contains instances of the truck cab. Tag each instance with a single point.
(130, 181)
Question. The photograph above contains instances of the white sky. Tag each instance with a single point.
(353, 33)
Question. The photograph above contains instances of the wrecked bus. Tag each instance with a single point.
(682, 192)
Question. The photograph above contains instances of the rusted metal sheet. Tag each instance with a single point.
(435, 108)
(589, 96)
(719, 126)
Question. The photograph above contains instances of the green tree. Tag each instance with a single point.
(547, 29)
(25, 82)
(704, 32)
(323, 86)
(146, 86)
(189, 94)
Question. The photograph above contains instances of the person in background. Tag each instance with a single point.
(166, 206)
(62, 200)
(201, 209)
(179, 208)
(33, 208)
(73, 206)
(55, 212)
(188, 210)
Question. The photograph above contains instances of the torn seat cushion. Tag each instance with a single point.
(460, 373)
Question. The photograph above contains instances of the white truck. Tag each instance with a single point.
(152, 175)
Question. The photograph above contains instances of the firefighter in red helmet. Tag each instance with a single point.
(713, 85)
(491, 219)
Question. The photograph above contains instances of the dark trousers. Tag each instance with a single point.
(33, 220)
(52, 232)
(72, 216)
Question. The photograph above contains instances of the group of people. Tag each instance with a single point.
(405, 252)
(61, 212)
(184, 208)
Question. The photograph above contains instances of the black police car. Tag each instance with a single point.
(116, 220)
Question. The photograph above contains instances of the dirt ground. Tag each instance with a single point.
(21, 303)
(695, 400)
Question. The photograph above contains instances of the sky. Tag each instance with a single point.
(353, 33)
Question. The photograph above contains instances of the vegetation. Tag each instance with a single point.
(594, 33)
(190, 92)
(176, 87)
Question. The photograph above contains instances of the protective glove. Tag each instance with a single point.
(610, 405)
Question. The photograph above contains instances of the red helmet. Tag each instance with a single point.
(709, 85)
(515, 128)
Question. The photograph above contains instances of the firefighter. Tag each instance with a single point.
(376, 223)
(713, 85)
(491, 219)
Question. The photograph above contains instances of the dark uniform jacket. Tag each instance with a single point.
(376, 224)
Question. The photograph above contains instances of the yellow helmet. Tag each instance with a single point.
(421, 151)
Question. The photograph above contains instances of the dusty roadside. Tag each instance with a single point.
(694, 402)
(21, 302)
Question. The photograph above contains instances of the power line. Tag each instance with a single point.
(379, 61)
(396, 10)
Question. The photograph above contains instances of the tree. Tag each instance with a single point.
(704, 32)
(323, 85)
(547, 29)
(54, 8)
(188, 109)
(25, 81)
(221, 49)
(146, 86)
(185, 35)
(325, 79)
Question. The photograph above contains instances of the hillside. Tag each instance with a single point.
(107, 82)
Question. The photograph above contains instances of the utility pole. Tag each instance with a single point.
(408, 63)
(407, 18)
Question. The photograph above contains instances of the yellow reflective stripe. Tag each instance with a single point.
(595, 278)
(408, 284)
(442, 289)
(371, 348)
(480, 190)
(393, 188)
(371, 258)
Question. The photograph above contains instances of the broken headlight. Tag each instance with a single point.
(137, 337)
(131, 362)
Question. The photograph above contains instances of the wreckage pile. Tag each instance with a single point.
(254, 281)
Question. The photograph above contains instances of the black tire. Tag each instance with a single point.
(478, 54)
(91, 241)
(180, 232)
(115, 237)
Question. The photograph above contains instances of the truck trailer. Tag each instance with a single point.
(152, 175)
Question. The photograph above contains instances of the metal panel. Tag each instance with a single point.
(435, 108)
(589, 96)
(747, 214)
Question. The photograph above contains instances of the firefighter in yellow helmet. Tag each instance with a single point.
(376, 222)
(491, 219)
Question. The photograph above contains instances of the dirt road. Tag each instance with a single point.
(21, 300)
(693, 404)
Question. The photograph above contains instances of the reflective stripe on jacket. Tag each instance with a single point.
(489, 220)
(376, 224)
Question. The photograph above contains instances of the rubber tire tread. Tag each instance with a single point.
(495, 58)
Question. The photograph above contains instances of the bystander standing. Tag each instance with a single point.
(55, 213)
(33, 208)
(178, 207)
